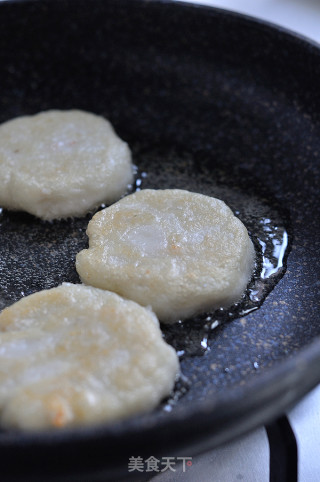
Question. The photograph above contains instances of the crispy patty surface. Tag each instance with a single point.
(75, 355)
(58, 164)
(180, 252)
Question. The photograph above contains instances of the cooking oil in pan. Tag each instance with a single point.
(268, 226)
(192, 336)
(37, 255)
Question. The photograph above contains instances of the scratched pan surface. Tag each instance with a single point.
(212, 102)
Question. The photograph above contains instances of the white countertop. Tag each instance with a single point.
(302, 16)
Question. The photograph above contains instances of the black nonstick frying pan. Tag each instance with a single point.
(208, 101)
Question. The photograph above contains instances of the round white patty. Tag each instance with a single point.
(58, 164)
(180, 252)
(76, 355)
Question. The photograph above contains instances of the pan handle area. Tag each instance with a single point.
(283, 451)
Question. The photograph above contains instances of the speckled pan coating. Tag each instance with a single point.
(241, 101)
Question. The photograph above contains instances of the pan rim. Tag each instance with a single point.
(247, 18)
(296, 365)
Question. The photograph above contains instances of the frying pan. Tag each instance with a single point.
(209, 101)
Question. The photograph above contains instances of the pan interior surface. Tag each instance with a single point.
(211, 102)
